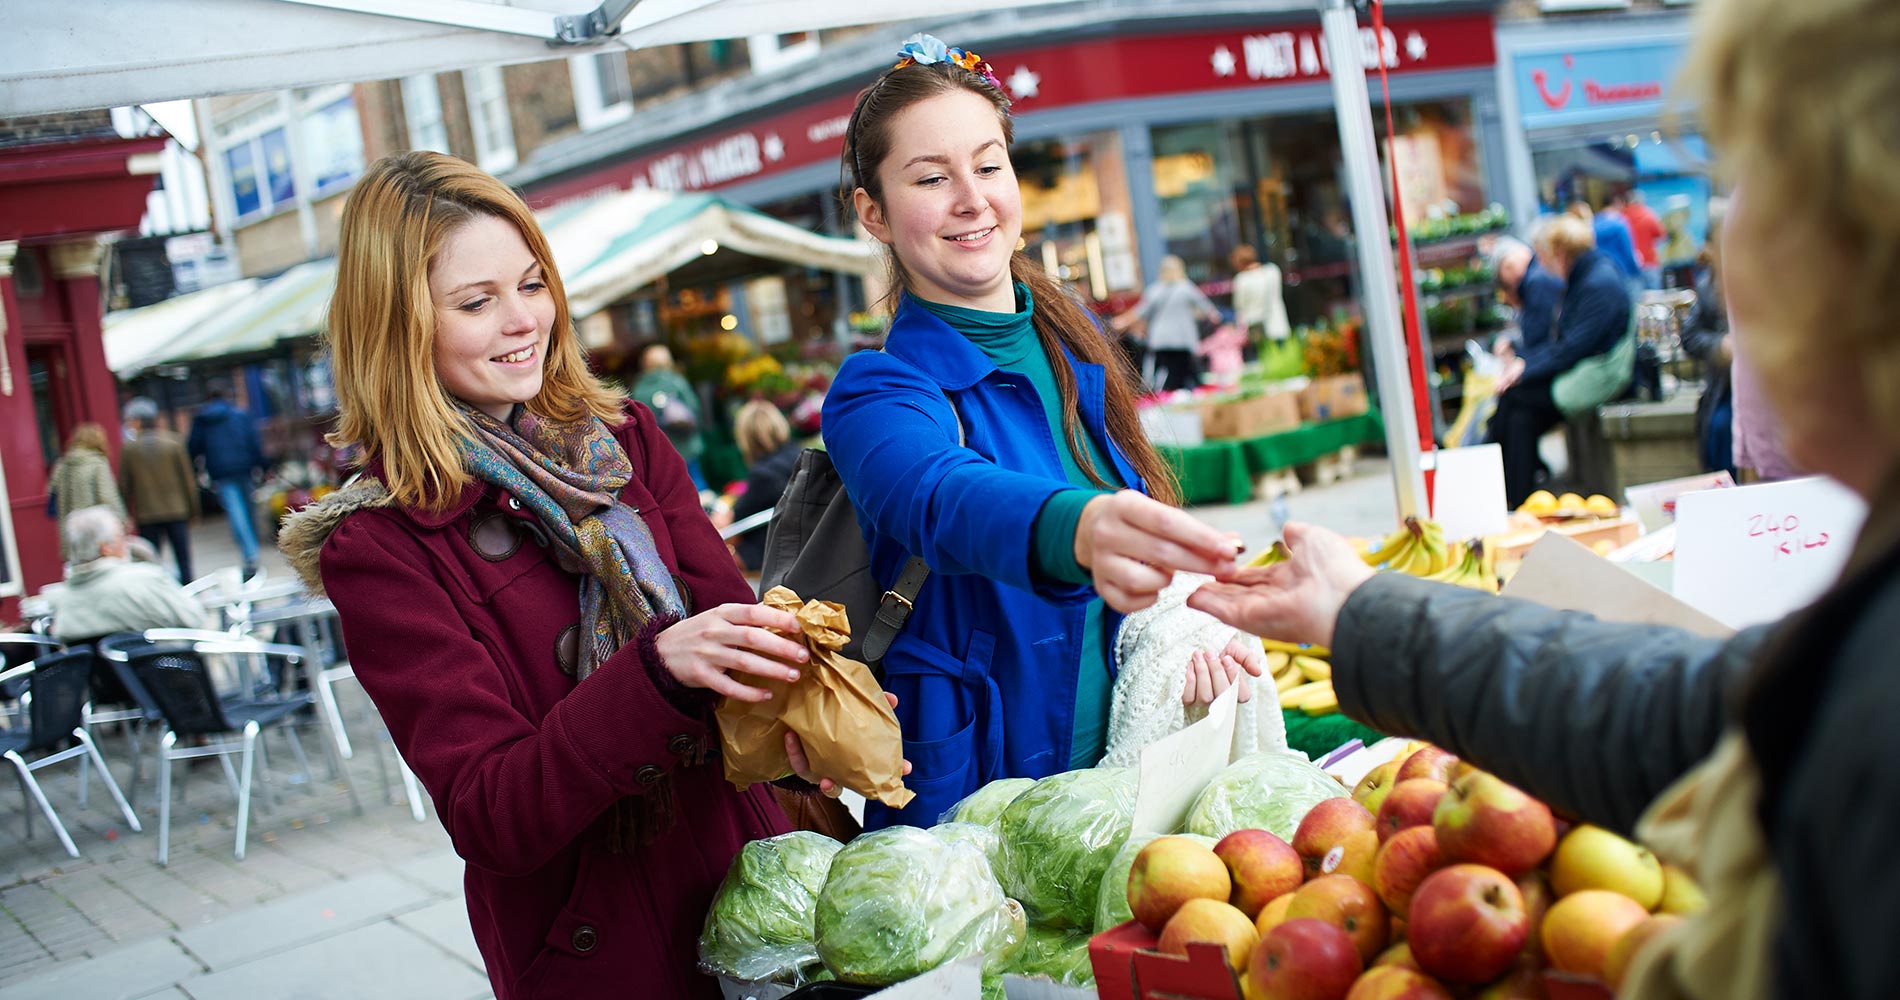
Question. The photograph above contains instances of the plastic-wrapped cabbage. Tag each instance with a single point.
(1060, 835)
(1061, 955)
(900, 902)
(983, 838)
(760, 923)
(986, 804)
(1269, 791)
(1111, 900)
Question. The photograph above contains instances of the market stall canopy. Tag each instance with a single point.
(134, 338)
(249, 320)
(609, 246)
(71, 55)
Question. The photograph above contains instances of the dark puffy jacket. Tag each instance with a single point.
(764, 484)
(1598, 718)
(224, 438)
(1595, 314)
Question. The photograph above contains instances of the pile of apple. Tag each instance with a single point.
(1434, 880)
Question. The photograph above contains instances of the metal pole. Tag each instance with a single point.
(1385, 334)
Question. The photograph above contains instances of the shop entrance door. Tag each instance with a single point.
(53, 411)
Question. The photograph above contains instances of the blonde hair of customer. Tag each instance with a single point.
(759, 429)
(382, 323)
(1802, 96)
(88, 435)
(1567, 236)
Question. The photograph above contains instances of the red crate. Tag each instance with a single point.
(1128, 968)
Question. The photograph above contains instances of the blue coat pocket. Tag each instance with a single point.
(954, 708)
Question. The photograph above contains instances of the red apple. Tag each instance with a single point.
(1215, 922)
(1430, 762)
(1353, 857)
(1616, 966)
(1535, 889)
(1467, 924)
(1168, 872)
(1403, 863)
(1394, 983)
(1525, 981)
(1262, 867)
(1483, 820)
(1581, 928)
(1376, 785)
(1326, 826)
(1410, 803)
(1347, 904)
(1303, 960)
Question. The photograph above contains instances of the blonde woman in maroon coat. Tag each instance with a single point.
(532, 595)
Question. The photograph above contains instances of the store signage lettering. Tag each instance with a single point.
(1593, 92)
(729, 159)
(1285, 55)
(1593, 85)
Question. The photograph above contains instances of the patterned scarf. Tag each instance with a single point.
(570, 476)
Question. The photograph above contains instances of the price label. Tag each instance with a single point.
(1754, 553)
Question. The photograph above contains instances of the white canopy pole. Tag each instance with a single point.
(1365, 185)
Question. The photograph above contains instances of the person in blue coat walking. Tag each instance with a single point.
(996, 437)
(224, 443)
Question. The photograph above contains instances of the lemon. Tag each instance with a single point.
(1540, 502)
(1601, 506)
(1570, 501)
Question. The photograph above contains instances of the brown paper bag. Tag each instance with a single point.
(836, 708)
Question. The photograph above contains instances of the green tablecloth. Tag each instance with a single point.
(1317, 736)
(1223, 471)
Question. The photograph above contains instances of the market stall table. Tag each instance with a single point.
(1224, 471)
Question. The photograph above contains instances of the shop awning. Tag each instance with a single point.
(610, 246)
(72, 55)
(242, 317)
(136, 339)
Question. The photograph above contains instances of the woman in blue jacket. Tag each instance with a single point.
(996, 437)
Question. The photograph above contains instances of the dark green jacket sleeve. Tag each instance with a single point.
(1595, 718)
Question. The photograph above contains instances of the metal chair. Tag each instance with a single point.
(56, 694)
(172, 669)
(18, 649)
(114, 683)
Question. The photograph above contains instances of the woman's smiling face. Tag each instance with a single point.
(493, 315)
(951, 210)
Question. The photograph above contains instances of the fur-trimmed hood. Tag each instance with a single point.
(304, 532)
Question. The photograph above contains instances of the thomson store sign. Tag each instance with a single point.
(1584, 85)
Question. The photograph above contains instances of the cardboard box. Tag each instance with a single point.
(1128, 968)
(1178, 426)
(1333, 397)
(1254, 416)
(1511, 548)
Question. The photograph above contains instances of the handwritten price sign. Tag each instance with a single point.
(1752, 554)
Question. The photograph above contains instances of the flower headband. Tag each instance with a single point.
(924, 50)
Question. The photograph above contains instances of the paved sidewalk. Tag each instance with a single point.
(327, 903)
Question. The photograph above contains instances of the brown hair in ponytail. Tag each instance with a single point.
(1059, 320)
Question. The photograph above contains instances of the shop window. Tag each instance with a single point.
(1670, 173)
(770, 52)
(1076, 212)
(422, 113)
(489, 119)
(333, 145)
(603, 88)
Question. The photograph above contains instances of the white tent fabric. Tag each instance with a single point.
(70, 55)
(609, 246)
(135, 336)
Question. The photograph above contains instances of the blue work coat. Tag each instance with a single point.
(985, 671)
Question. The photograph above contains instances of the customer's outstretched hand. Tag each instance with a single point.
(1297, 600)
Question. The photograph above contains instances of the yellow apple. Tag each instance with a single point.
(1590, 857)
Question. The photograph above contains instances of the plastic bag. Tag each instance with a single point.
(1269, 791)
(1054, 953)
(986, 804)
(1060, 835)
(984, 838)
(1111, 899)
(902, 901)
(760, 922)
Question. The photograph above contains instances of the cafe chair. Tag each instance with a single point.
(171, 667)
(18, 649)
(57, 686)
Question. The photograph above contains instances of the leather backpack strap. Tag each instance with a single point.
(899, 601)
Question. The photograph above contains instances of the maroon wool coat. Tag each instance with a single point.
(466, 655)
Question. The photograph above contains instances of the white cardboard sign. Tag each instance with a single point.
(1468, 491)
(1754, 553)
(1176, 767)
(959, 980)
(1559, 572)
(1655, 503)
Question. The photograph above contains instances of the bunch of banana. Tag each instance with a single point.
(1302, 676)
(1469, 571)
(1418, 548)
(1277, 552)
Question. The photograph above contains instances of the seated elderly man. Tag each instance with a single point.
(109, 592)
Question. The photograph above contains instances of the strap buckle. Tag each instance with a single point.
(892, 595)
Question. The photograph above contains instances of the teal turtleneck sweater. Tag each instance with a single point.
(1010, 342)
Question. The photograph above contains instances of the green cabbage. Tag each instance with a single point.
(900, 902)
(1061, 955)
(986, 804)
(983, 838)
(1111, 902)
(1060, 835)
(1271, 791)
(760, 923)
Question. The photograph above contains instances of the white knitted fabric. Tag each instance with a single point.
(1151, 651)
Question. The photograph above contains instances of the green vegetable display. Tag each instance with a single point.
(760, 923)
(1060, 835)
(1061, 955)
(983, 838)
(1270, 791)
(901, 901)
(986, 804)
(1111, 900)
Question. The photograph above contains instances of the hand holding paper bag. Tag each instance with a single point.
(836, 710)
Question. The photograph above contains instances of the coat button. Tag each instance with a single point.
(585, 938)
(648, 775)
(514, 503)
(680, 746)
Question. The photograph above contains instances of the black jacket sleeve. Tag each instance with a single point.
(1595, 718)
